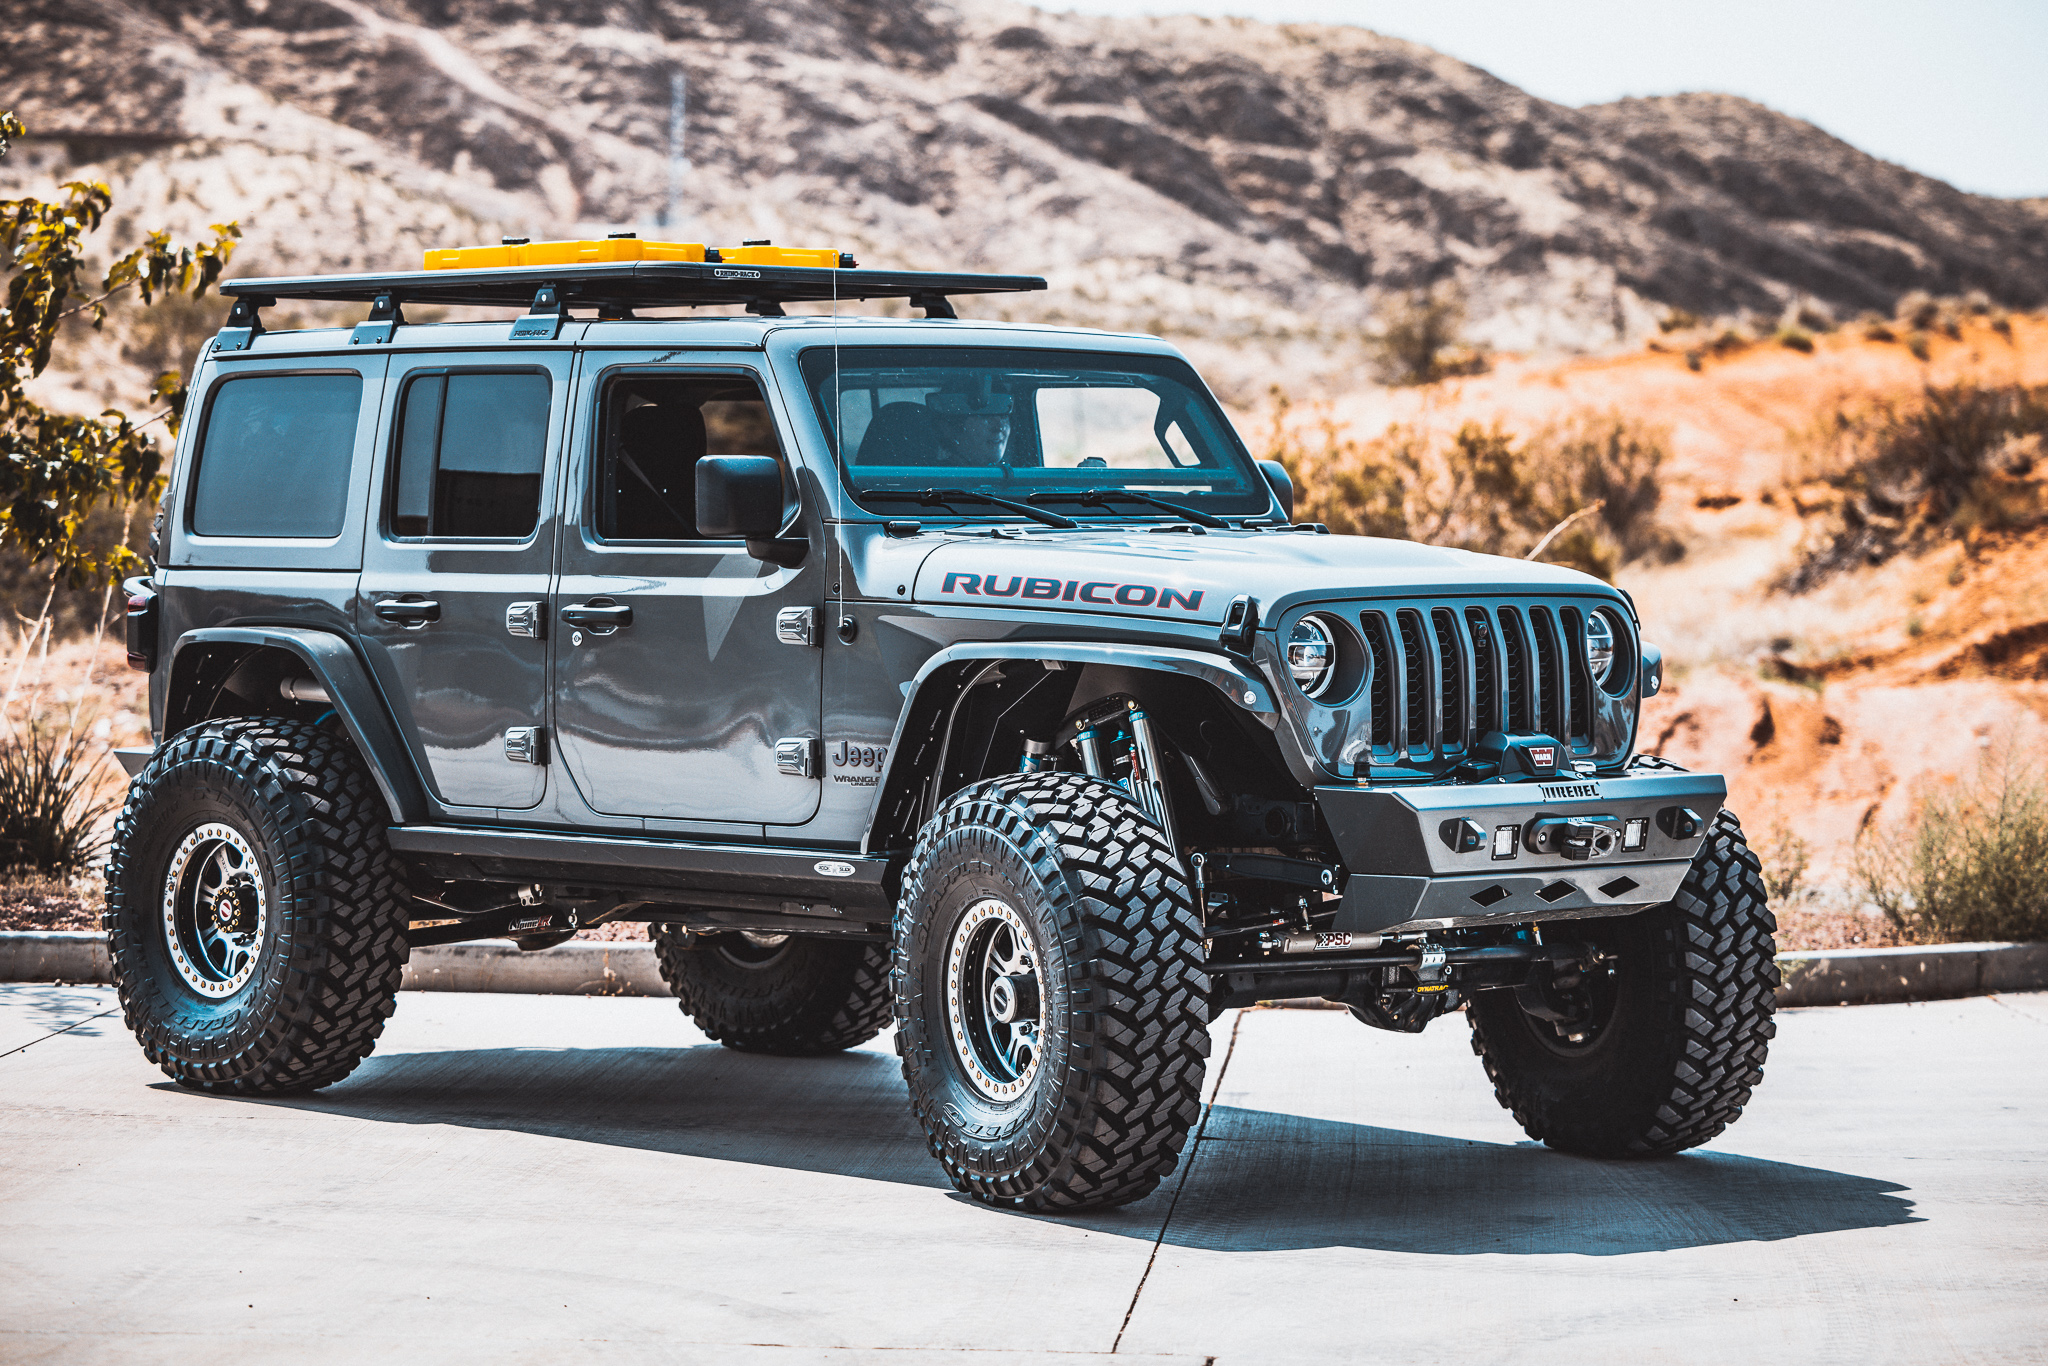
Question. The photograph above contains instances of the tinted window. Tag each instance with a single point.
(470, 452)
(656, 429)
(276, 455)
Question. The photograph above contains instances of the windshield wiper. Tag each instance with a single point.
(1095, 498)
(940, 497)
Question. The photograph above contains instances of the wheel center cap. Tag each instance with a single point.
(1013, 998)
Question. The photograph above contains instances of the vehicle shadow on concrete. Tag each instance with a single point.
(1259, 1180)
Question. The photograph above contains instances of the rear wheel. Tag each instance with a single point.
(777, 993)
(1051, 1008)
(254, 913)
(1655, 1049)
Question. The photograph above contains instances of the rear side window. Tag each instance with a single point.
(275, 457)
(471, 447)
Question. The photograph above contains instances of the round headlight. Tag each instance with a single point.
(1311, 656)
(1599, 645)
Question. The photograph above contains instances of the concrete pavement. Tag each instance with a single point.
(552, 1179)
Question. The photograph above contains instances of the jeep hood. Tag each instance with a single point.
(1186, 577)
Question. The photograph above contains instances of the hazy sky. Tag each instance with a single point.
(1951, 88)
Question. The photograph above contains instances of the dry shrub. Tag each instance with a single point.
(1484, 489)
(1421, 339)
(51, 800)
(1968, 865)
(1958, 459)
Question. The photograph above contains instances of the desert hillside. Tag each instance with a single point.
(1235, 183)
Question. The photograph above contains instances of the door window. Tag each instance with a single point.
(471, 448)
(656, 428)
(276, 455)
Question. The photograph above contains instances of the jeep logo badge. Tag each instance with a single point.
(834, 868)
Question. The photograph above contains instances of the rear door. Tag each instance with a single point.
(681, 692)
(452, 602)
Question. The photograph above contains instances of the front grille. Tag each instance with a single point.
(1439, 677)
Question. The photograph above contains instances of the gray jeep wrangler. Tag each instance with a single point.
(967, 677)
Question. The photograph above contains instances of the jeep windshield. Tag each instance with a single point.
(1067, 431)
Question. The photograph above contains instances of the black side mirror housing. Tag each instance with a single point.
(741, 495)
(1283, 487)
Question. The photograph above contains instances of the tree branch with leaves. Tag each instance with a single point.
(55, 468)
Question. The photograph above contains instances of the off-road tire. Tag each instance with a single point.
(1675, 1063)
(812, 995)
(327, 970)
(1125, 1002)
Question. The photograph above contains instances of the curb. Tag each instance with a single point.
(583, 968)
(1938, 972)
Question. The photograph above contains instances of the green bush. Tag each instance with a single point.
(1970, 865)
(1484, 488)
(1960, 458)
(1421, 339)
(51, 800)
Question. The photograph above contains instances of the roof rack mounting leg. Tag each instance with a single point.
(386, 317)
(934, 305)
(766, 308)
(244, 324)
(543, 322)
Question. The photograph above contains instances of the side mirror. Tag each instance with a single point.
(741, 495)
(1282, 486)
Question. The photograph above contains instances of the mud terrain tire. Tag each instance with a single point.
(1673, 1064)
(277, 827)
(799, 998)
(1053, 892)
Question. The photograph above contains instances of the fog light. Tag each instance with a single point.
(1635, 834)
(1507, 841)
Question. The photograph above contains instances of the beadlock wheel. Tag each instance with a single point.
(993, 1003)
(215, 910)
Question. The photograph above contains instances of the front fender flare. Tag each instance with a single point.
(355, 698)
(943, 675)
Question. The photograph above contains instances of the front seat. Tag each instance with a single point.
(655, 482)
(901, 434)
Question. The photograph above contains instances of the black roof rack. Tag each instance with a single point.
(625, 285)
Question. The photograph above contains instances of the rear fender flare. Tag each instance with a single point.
(328, 658)
(922, 724)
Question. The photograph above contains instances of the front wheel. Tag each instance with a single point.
(1051, 1008)
(1656, 1047)
(254, 913)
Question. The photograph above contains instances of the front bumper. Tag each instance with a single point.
(1406, 871)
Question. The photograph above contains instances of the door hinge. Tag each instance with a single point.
(526, 620)
(797, 626)
(797, 757)
(526, 745)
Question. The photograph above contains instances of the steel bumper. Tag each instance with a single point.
(1406, 869)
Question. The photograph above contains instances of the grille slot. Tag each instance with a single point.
(1550, 710)
(1581, 726)
(1415, 678)
(1450, 653)
(1515, 650)
(1485, 671)
(1380, 645)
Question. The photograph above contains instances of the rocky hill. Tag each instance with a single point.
(1222, 178)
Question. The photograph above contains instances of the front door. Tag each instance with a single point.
(679, 693)
(453, 596)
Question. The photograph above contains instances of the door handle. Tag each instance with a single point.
(599, 616)
(409, 612)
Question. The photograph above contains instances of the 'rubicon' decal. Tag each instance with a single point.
(1097, 593)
